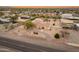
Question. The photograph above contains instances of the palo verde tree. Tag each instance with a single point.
(28, 24)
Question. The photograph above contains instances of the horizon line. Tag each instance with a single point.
(46, 6)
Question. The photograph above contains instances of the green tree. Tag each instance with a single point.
(28, 24)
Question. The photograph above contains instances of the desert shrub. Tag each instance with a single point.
(35, 33)
(28, 24)
(57, 36)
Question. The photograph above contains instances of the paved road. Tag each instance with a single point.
(25, 47)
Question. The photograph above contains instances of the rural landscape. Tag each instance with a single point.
(39, 29)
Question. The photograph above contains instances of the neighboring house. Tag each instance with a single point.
(68, 20)
(65, 23)
(70, 16)
(23, 18)
(4, 20)
(66, 15)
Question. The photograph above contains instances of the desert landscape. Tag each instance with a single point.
(52, 27)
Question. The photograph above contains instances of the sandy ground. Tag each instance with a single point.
(6, 49)
(44, 38)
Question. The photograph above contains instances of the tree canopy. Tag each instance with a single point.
(28, 24)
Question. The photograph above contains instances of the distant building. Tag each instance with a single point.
(23, 18)
(66, 23)
(70, 16)
(4, 20)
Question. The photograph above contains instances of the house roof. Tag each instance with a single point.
(70, 16)
(67, 21)
(4, 20)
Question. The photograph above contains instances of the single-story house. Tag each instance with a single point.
(23, 18)
(68, 20)
(4, 20)
(65, 23)
(70, 16)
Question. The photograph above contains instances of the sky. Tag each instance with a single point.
(39, 2)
